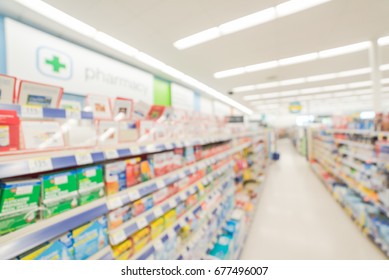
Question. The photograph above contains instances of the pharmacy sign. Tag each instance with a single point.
(54, 63)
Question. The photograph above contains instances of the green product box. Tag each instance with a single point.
(90, 178)
(58, 186)
(14, 222)
(59, 207)
(89, 197)
(19, 200)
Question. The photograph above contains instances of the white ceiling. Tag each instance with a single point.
(153, 26)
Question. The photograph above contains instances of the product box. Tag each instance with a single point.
(180, 209)
(157, 227)
(159, 164)
(146, 170)
(58, 186)
(90, 238)
(138, 207)
(19, 201)
(178, 158)
(59, 207)
(115, 177)
(189, 155)
(59, 249)
(124, 250)
(148, 202)
(133, 176)
(9, 130)
(141, 238)
(160, 195)
(118, 216)
(221, 249)
(90, 183)
(191, 200)
(170, 217)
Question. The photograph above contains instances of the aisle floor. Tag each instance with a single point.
(297, 218)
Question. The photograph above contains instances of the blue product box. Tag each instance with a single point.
(90, 238)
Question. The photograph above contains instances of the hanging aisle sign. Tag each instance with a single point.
(295, 107)
(36, 56)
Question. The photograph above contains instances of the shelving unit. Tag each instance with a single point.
(339, 164)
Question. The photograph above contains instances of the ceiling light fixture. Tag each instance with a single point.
(74, 24)
(383, 41)
(295, 60)
(323, 77)
(245, 22)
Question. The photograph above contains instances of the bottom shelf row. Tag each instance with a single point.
(210, 226)
(373, 223)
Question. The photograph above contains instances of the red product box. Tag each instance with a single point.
(9, 130)
(132, 172)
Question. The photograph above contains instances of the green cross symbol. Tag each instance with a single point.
(57, 65)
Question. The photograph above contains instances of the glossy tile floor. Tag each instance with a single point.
(297, 218)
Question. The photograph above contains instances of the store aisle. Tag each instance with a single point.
(298, 219)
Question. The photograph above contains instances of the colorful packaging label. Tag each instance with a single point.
(91, 196)
(60, 207)
(90, 238)
(115, 177)
(133, 176)
(124, 250)
(8, 224)
(19, 196)
(60, 249)
(157, 227)
(58, 186)
(170, 217)
(141, 238)
(90, 178)
(118, 216)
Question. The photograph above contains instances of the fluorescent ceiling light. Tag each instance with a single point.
(289, 93)
(355, 72)
(362, 91)
(245, 22)
(295, 6)
(384, 67)
(298, 59)
(345, 49)
(248, 21)
(310, 90)
(197, 38)
(252, 97)
(229, 73)
(334, 87)
(107, 40)
(261, 66)
(58, 16)
(115, 44)
(292, 82)
(360, 84)
(323, 77)
(270, 94)
(383, 41)
(244, 88)
(365, 97)
(385, 81)
(266, 85)
(329, 76)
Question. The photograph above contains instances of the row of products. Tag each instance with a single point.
(20, 200)
(380, 122)
(365, 213)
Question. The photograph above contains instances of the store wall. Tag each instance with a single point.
(182, 97)
(3, 69)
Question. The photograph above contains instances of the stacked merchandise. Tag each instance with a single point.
(127, 181)
(354, 154)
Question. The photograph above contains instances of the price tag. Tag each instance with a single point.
(135, 150)
(158, 212)
(40, 164)
(160, 184)
(114, 203)
(84, 158)
(141, 223)
(118, 237)
(134, 195)
(150, 148)
(73, 114)
(158, 245)
(111, 154)
(34, 112)
(169, 146)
